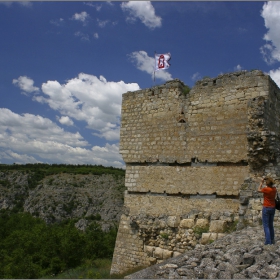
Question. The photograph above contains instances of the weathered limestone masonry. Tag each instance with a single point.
(191, 161)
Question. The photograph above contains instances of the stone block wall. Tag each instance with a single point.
(219, 180)
(263, 152)
(129, 249)
(192, 159)
(156, 227)
(151, 129)
(209, 124)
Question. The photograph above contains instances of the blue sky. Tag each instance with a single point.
(65, 65)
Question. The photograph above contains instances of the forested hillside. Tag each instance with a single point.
(57, 217)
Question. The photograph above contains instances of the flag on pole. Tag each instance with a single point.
(162, 61)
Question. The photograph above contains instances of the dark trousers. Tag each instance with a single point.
(267, 219)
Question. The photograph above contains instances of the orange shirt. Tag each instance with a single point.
(269, 196)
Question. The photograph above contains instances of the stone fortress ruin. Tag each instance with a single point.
(192, 159)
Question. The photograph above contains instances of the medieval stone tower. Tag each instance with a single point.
(190, 162)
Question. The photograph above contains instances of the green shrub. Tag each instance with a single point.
(50, 181)
(69, 207)
(164, 235)
(29, 248)
(5, 183)
(199, 230)
(230, 227)
(93, 217)
(186, 90)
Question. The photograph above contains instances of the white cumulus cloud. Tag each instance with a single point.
(238, 68)
(26, 84)
(57, 22)
(17, 158)
(6, 3)
(143, 10)
(147, 64)
(275, 75)
(83, 36)
(102, 23)
(97, 7)
(25, 3)
(196, 76)
(65, 120)
(271, 15)
(29, 138)
(87, 98)
(266, 51)
(83, 17)
(271, 49)
(30, 127)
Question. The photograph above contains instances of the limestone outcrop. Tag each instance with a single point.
(63, 196)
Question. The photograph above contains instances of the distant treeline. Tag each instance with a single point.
(40, 170)
(50, 169)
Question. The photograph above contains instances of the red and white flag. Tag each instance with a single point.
(162, 61)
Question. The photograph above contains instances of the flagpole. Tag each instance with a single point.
(155, 69)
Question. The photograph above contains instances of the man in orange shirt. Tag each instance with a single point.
(268, 211)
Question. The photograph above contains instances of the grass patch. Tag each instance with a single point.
(231, 227)
(97, 269)
(128, 272)
(186, 90)
(199, 230)
(164, 235)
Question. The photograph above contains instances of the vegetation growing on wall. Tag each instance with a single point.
(200, 230)
(186, 90)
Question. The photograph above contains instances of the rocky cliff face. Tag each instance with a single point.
(239, 255)
(62, 196)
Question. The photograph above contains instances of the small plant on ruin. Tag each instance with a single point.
(186, 90)
(231, 227)
(164, 235)
(199, 230)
